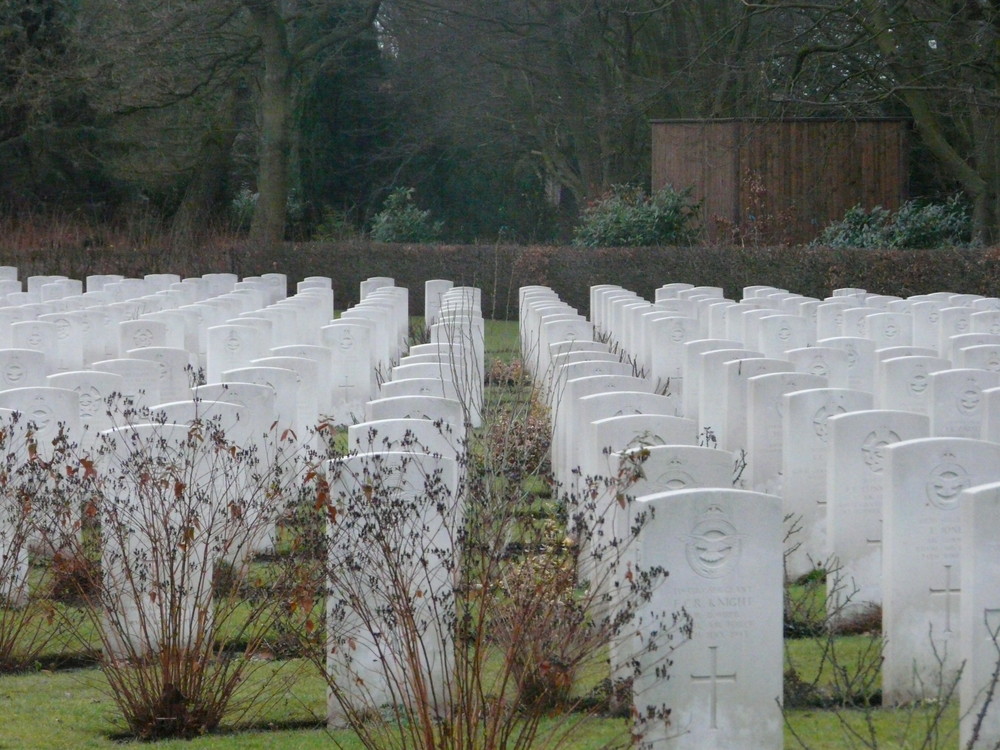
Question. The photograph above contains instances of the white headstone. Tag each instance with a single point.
(855, 486)
(806, 437)
(177, 370)
(232, 346)
(765, 419)
(352, 371)
(405, 436)
(724, 563)
(99, 405)
(21, 367)
(979, 612)
(921, 561)
(902, 383)
(955, 401)
(411, 498)
(140, 381)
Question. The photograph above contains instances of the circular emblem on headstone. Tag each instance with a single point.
(346, 341)
(62, 328)
(962, 325)
(233, 343)
(873, 448)
(784, 333)
(838, 319)
(35, 339)
(818, 366)
(142, 338)
(918, 380)
(41, 415)
(677, 334)
(14, 372)
(993, 361)
(820, 426)
(934, 316)
(995, 327)
(674, 478)
(713, 546)
(890, 331)
(852, 355)
(970, 399)
(89, 400)
(945, 482)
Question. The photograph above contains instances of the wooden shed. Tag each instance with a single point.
(781, 180)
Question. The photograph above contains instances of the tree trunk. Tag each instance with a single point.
(268, 225)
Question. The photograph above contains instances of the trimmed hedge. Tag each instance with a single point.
(500, 270)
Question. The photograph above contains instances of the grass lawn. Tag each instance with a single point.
(73, 708)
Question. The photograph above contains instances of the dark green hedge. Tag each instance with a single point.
(570, 271)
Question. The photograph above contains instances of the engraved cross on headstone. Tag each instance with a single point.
(348, 386)
(714, 679)
(947, 591)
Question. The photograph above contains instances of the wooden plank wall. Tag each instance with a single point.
(781, 181)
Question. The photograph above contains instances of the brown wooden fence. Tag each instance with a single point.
(781, 180)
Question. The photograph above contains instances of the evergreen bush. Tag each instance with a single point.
(401, 221)
(916, 225)
(627, 217)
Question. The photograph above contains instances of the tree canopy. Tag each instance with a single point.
(505, 117)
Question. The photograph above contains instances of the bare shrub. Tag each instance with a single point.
(28, 613)
(173, 506)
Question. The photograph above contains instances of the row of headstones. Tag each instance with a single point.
(409, 434)
(795, 407)
(221, 333)
(252, 404)
(403, 482)
(223, 325)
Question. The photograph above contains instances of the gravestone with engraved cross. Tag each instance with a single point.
(723, 685)
(351, 367)
(921, 563)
